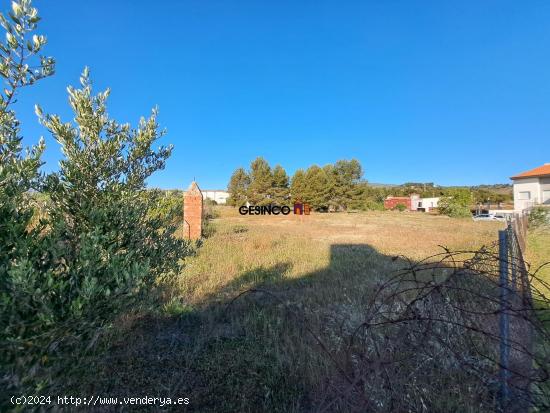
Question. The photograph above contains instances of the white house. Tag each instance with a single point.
(532, 188)
(412, 202)
(218, 195)
(427, 204)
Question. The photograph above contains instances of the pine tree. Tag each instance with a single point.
(280, 191)
(331, 189)
(345, 176)
(238, 187)
(297, 186)
(261, 182)
(317, 188)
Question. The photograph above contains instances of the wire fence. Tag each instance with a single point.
(458, 331)
(469, 316)
(516, 317)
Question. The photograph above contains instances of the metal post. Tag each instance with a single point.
(504, 395)
(514, 245)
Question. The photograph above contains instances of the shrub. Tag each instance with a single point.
(102, 241)
(373, 205)
(400, 207)
(166, 205)
(22, 250)
(539, 217)
(456, 204)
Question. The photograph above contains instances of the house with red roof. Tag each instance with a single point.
(532, 188)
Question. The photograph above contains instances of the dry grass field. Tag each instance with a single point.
(249, 355)
(267, 351)
(299, 246)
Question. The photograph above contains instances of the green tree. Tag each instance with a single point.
(99, 246)
(280, 191)
(334, 187)
(100, 243)
(18, 171)
(261, 182)
(23, 252)
(344, 177)
(98, 194)
(485, 195)
(238, 187)
(317, 187)
(330, 191)
(297, 186)
(456, 203)
(104, 248)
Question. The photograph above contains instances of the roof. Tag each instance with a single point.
(543, 170)
(193, 189)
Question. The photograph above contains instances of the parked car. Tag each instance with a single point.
(489, 217)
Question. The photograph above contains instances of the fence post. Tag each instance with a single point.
(513, 246)
(503, 322)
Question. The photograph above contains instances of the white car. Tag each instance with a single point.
(489, 217)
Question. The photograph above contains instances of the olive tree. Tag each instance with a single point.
(456, 203)
(99, 246)
(23, 306)
(20, 65)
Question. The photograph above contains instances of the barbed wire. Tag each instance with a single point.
(430, 339)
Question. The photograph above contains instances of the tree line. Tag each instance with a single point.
(331, 187)
(340, 187)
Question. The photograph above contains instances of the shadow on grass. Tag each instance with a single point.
(259, 276)
(286, 345)
(225, 357)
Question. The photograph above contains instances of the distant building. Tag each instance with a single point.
(532, 188)
(412, 203)
(427, 204)
(409, 202)
(218, 195)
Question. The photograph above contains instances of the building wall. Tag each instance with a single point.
(415, 198)
(545, 190)
(392, 202)
(219, 196)
(428, 203)
(531, 185)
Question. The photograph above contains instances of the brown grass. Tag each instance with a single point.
(259, 353)
(303, 244)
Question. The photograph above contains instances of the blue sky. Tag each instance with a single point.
(452, 92)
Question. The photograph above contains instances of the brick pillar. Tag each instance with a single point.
(192, 212)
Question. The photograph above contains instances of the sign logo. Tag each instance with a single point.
(300, 208)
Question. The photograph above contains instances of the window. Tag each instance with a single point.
(525, 195)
